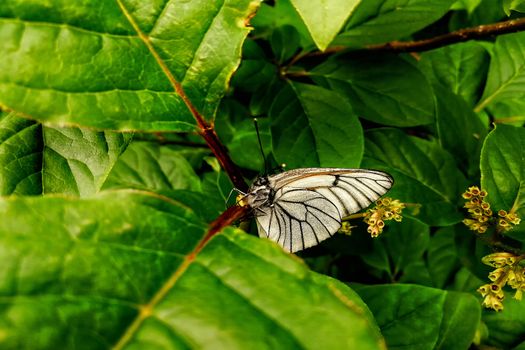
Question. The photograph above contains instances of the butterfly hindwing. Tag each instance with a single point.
(299, 219)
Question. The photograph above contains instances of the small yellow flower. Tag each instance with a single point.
(507, 220)
(516, 280)
(497, 274)
(346, 228)
(499, 259)
(493, 296)
(508, 272)
(385, 209)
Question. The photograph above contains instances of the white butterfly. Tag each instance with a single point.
(302, 207)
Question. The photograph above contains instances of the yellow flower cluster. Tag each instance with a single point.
(478, 209)
(481, 216)
(506, 220)
(385, 209)
(509, 272)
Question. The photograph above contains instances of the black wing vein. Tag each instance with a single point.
(357, 189)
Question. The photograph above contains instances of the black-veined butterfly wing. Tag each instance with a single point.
(309, 204)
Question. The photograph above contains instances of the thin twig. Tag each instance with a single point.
(479, 32)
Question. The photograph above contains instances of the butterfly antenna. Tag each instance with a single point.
(256, 123)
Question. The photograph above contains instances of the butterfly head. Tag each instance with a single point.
(259, 193)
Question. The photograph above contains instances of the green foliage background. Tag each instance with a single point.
(107, 187)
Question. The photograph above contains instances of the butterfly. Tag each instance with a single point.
(300, 208)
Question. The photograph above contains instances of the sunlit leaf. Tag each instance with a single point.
(119, 270)
(324, 19)
(119, 64)
(506, 79)
(38, 159)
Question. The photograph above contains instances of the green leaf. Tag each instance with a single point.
(244, 146)
(119, 64)
(506, 78)
(119, 270)
(485, 12)
(503, 172)
(460, 130)
(282, 13)
(466, 281)
(255, 68)
(45, 160)
(521, 346)
(378, 21)
(150, 166)
(383, 89)
(284, 42)
(417, 273)
(506, 328)
(21, 146)
(442, 257)
(462, 68)
(324, 19)
(511, 111)
(423, 173)
(399, 246)
(416, 317)
(469, 5)
(513, 5)
(238, 133)
(313, 127)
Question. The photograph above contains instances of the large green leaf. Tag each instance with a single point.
(506, 78)
(506, 328)
(383, 89)
(121, 270)
(324, 19)
(150, 166)
(21, 147)
(313, 126)
(460, 130)
(398, 247)
(503, 172)
(45, 160)
(442, 257)
(416, 317)
(462, 68)
(423, 173)
(377, 21)
(119, 64)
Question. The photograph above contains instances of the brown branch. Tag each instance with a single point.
(221, 153)
(205, 129)
(227, 218)
(479, 32)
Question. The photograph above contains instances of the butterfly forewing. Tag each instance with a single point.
(307, 205)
